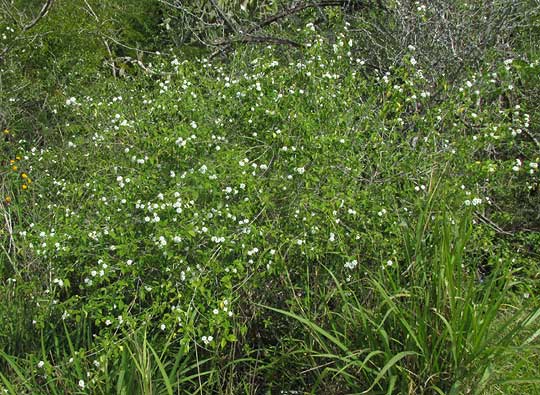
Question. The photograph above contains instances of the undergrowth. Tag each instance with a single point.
(275, 223)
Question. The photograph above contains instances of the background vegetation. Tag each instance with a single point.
(263, 197)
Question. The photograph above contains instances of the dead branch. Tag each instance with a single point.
(533, 138)
(42, 14)
(295, 10)
(139, 63)
(223, 16)
(249, 38)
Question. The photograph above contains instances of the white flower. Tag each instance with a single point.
(81, 384)
(162, 241)
(40, 364)
(476, 201)
(351, 265)
(181, 142)
(300, 170)
(163, 327)
(59, 282)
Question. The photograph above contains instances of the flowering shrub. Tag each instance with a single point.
(182, 201)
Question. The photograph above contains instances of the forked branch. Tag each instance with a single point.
(42, 14)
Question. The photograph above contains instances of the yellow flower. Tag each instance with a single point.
(14, 168)
(6, 131)
(24, 176)
(24, 187)
(7, 199)
(18, 157)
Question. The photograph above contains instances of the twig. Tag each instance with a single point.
(11, 249)
(294, 10)
(138, 50)
(249, 38)
(128, 59)
(534, 139)
(111, 56)
(42, 14)
(44, 11)
(223, 16)
(91, 11)
(492, 224)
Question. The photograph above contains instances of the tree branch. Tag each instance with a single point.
(248, 37)
(223, 16)
(295, 10)
(251, 39)
(42, 14)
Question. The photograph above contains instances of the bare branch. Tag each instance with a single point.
(249, 38)
(42, 14)
(223, 16)
(295, 10)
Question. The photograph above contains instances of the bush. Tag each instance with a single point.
(183, 217)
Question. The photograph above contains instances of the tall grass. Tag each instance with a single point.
(132, 365)
(428, 325)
